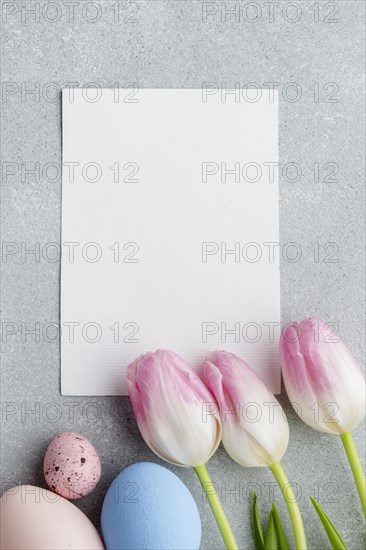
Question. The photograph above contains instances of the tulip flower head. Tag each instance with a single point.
(169, 401)
(255, 429)
(322, 379)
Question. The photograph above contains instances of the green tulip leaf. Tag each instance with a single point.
(281, 536)
(270, 539)
(334, 537)
(256, 526)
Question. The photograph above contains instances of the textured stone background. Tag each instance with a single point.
(171, 44)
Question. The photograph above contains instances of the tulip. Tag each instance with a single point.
(168, 398)
(255, 429)
(178, 419)
(325, 385)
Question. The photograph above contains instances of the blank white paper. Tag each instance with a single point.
(169, 231)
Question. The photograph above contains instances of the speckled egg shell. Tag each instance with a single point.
(71, 466)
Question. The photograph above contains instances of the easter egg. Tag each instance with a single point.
(148, 507)
(71, 465)
(36, 519)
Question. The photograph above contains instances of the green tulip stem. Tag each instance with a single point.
(216, 507)
(292, 506)
(356, 466)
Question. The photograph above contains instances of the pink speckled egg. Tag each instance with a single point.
(71, 466)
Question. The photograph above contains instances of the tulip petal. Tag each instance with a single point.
(178, 417)
(322, 379)
(255, 429)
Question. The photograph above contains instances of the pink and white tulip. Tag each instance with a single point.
(169, 401)
(255, 429)
(252, 440)
(322, 379)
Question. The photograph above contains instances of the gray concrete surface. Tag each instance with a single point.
(172, 44)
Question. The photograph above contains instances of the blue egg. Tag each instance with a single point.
(148, 507)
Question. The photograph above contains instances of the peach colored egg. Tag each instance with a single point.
(71, 465)
(32, 518)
